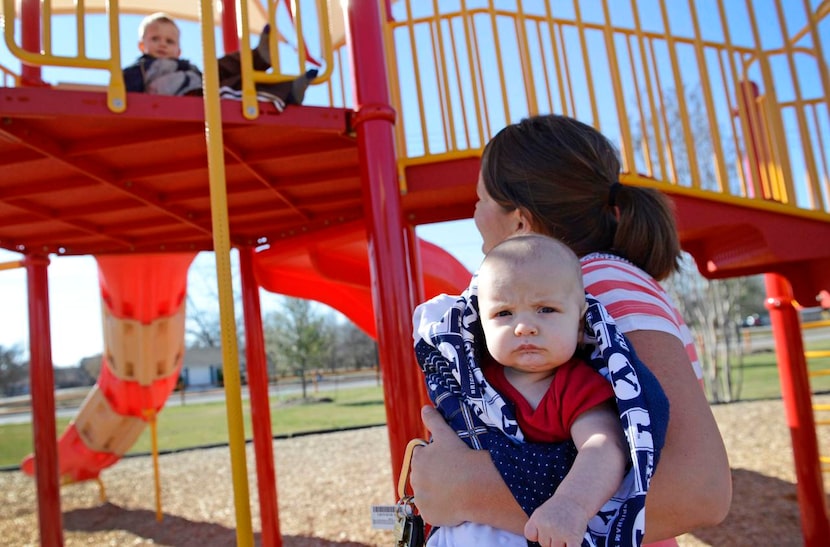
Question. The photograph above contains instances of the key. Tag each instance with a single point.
(409, 526)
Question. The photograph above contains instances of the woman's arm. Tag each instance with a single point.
(692, 486)
(454, 483)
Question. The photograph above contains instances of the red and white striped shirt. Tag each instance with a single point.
(635, 300)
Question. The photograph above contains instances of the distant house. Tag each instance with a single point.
(202, 367)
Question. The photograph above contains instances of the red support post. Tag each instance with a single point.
(42, 380)
(260, 407)
(797, 398)
(230, 27)
(392, 284)
(30, 75)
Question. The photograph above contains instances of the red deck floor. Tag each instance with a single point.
(78, 179)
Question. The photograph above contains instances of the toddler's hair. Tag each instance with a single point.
(158, 17)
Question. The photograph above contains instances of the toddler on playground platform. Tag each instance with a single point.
(161, 71)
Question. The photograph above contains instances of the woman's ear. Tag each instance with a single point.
(524, 225)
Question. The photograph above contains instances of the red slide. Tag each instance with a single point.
(336, 272)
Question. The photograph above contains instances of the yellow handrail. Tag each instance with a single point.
(9, 77)
(667, 94)
(116, 91)
(251, 77)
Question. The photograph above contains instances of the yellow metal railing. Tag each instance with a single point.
(733, 102)
(284, 67)
(251, 77)
(821, 411)
(10, 78)
(116, 93)
(730, 101)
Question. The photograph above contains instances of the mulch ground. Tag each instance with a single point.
(328, 482)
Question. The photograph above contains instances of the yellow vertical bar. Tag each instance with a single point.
(586, 64)
(250, 108)
(683, 111)
(567, 82)
(45, 26)
(555, 30)
(473, 63)
(417, 71)
(221, 246)
(741, 106)
(818, 47)
(616, 82)
(649, 168)
(540, 28)
(327, 49)
(524, 56)
(298, 26)
(814, 190)
(461, 102)
(706, 88)
(825, 204)
(499, 61)
(116, 90)
(439, 61)
(151, 415)
(80, 20)
(662, 125)
(393, 76)
(647, 74)
(780, 170)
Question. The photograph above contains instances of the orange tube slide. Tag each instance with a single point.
(143, 300)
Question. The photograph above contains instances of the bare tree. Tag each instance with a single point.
(202, 327)
(355, 349)
(714, 311)
(14, 372)
(298, 338)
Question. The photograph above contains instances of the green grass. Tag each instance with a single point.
(197, 424)
(760, 373)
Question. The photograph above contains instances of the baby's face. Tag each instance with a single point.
(530, 313)
(161, 40)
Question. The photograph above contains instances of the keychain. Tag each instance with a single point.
(409, 526)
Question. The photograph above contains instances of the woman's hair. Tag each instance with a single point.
(560, 173)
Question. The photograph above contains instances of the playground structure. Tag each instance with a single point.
(321, 201)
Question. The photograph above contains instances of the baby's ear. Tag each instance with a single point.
(141, 46)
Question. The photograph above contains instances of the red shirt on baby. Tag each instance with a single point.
(575, 388)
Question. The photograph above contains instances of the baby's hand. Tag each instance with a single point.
(555, 524)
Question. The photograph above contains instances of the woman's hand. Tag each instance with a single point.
(454, 483)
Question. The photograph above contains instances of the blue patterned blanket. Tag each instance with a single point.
(448, 343)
